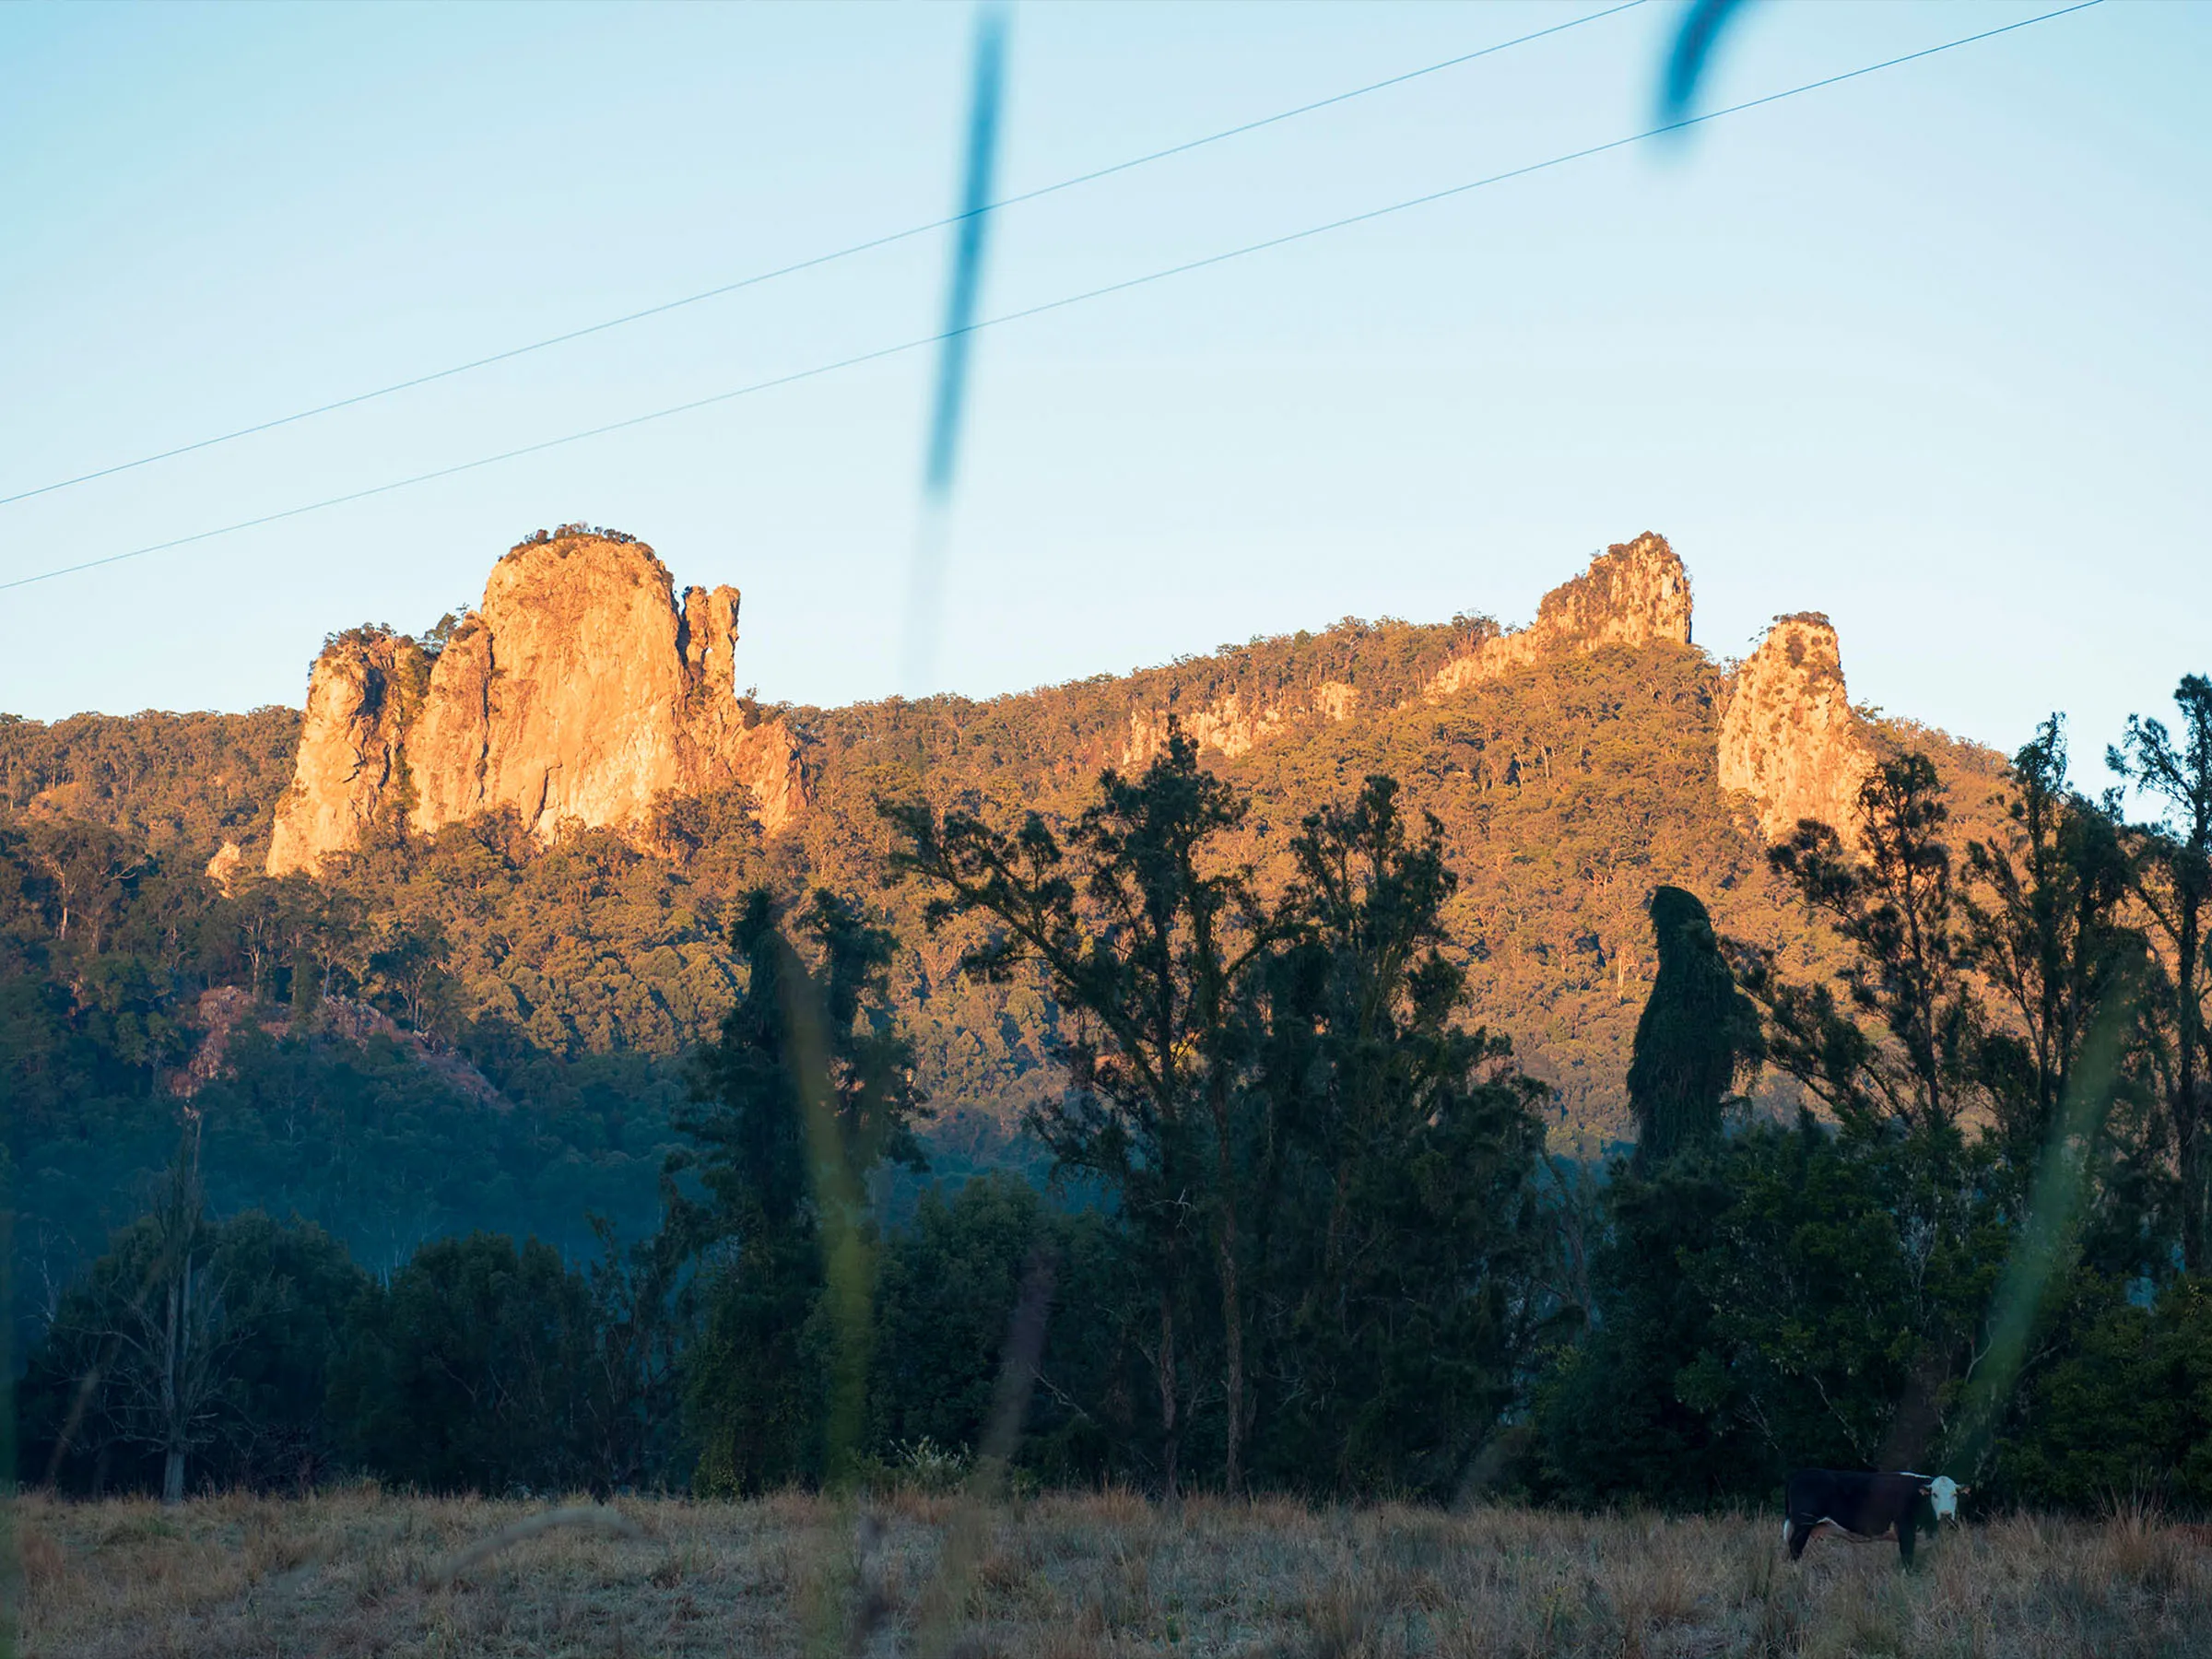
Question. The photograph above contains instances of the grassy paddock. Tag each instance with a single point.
(1073, 1577)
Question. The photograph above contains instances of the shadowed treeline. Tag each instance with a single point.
(1320, 1246)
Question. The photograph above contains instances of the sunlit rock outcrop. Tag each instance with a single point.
(1789, 737)
(578, 691)
(365, 689)
(1236, 723)
(1633, 593)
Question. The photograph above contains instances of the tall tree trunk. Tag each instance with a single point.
(2195, 1176)
(1232, 1381)
(2188, 1109)
(1227, 1244)
(173, 1386)
(1171, 1434)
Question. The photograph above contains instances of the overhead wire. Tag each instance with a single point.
(815, 261)
(1046, 307)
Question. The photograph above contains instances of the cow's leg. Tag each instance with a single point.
(1799, 1533)
(1906, 1532)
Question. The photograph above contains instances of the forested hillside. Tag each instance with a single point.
(559, 987)
(169, 783)
(487, 1156)
(1566, 789)
(1334, 1256)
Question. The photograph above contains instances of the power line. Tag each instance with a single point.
(1063, 302)
(818, 260)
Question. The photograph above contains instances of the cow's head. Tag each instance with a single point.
(1943, 1493)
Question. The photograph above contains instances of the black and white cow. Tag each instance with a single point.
(1867, 1507)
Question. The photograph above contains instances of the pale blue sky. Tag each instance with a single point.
(1927, 351)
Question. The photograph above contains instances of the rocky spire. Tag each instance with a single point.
(578, 690)
(364, 691)
(1633, 593)
(1789, 738)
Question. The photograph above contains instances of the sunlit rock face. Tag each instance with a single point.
(1633, 593)
(578, 691)
(584, 687)
(359, 703)
(1236, 724)
(222, 870)
(1789, 737)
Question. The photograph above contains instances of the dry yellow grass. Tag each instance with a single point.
(1071, 1577)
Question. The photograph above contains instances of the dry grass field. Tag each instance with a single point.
(1071, 1576)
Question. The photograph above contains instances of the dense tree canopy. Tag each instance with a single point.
(594, 1162)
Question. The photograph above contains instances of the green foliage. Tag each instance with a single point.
(756, 1378)
(1792, 1297)
(1280, 1099)
(467, 1372)
(2050, 938)
(175, 784)
(806, 1091)
(2050, 931)
(1258, 1014)
(283, 1293)
(1641, 1405)
(1795, 1297)
(1146, 941)
(1392, 1173)
(2172, 878)
(632, 1384)
(2126, 1413)
(1565, 790)
(1851, 1278)
(942, 1302)
(314, 1104)
(1912, 1062)
(944, 1299)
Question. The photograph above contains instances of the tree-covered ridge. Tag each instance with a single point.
(1566, 789)
(1062, 735)
(186, 782)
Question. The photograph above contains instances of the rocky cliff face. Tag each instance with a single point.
(1789, 738)
(1633, 593)
(1235, 724)
(580, 690)
(582, 687)
(359, 701)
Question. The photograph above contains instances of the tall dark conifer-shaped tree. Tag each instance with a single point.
(1697, 1035)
